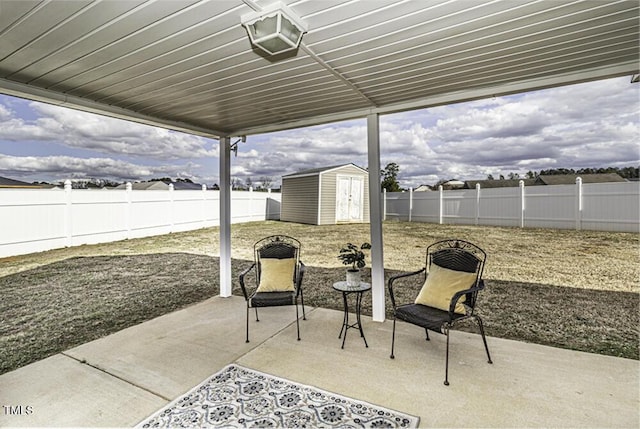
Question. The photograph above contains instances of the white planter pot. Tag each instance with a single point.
(353, 278)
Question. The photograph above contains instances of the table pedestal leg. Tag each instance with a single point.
(358, 312)
(345, 320)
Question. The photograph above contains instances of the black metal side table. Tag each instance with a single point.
(358, 291)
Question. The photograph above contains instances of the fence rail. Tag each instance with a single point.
(593, 206)
(35, 220)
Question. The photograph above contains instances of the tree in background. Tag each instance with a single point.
(390, 178)
(624, 172)
(266, 182)
(237, 184)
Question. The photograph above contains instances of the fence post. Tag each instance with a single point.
(440, 202)
(204, 206)
(129, 215)
(171, 208)
(477, 202)
(522, 207)
(384, 204)
(410, 203)
(266, 202)
(68, 221)
(578, 203)
(251, 211)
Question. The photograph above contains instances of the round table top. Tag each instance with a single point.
(344, 287)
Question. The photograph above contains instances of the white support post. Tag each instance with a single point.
(477, 203)
(225, 216)
(522, 203)
(578, 203)
(375, 221)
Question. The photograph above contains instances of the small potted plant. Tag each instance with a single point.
(353, 255)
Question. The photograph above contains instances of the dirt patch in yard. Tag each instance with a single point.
(61, 305)
(58, 306)
(570, 289)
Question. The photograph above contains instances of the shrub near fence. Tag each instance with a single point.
(594, 206)
(35, 220)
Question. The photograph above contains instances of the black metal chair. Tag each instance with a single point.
(278, 276)
(449, 296)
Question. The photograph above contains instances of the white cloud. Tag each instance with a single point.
(589, 125)
(5, 113)
(81, 130)
(64, 167)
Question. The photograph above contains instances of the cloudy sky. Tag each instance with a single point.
(587, 125)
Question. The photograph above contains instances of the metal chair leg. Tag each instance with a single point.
(426, 331)
(446, 365)
(393, 338)
(247, 323)
(298, 321)
(256, 309)
(484, 339)
(304, 315)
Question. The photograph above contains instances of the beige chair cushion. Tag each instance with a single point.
(277, 275)
(441, 285)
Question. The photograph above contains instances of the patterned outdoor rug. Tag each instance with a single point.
(242, 397)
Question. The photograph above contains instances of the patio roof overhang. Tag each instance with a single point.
(189, 66)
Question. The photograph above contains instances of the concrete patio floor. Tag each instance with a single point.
(119, 380)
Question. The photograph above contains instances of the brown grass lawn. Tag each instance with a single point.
(570, 289)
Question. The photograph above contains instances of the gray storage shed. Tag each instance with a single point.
(325, 196)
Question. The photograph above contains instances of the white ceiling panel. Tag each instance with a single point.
(188, 64)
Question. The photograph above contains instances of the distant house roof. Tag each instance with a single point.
(5, 182)
(187, 186)
(423, 188)
(158, 185)
(452, 184)
(506, 183)
(569, 179)
(316, 171)
(146, 186)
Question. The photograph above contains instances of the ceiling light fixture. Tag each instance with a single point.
(275, 29)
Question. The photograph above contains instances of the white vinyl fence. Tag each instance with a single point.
(593, 206)
(35, 220)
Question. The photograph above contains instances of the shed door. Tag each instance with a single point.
(349, 199)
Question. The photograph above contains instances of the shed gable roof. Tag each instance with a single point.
(321, 170)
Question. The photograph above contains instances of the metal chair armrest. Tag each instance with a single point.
(456, 297)
(399, 276)
(242, 285)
